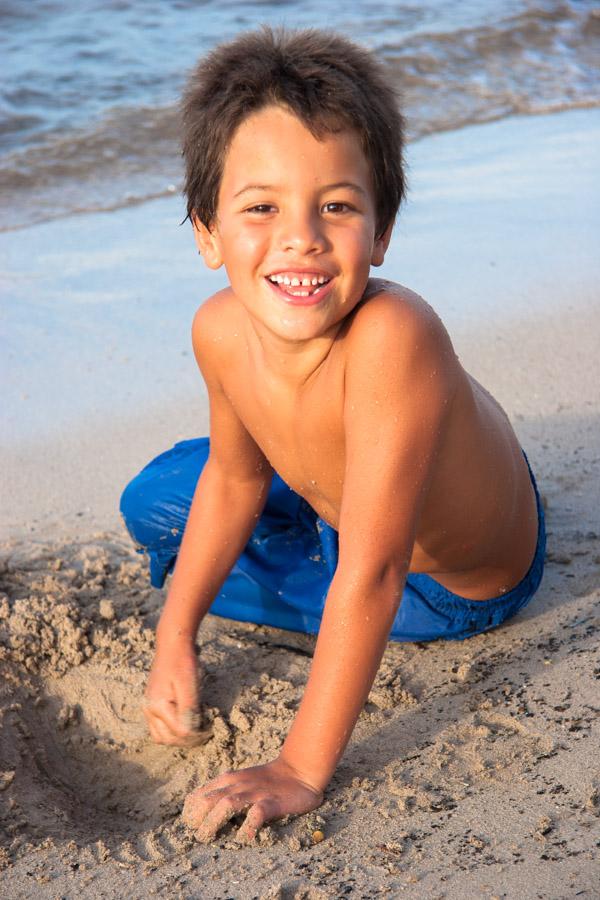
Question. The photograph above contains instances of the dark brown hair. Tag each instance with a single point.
(327, 81)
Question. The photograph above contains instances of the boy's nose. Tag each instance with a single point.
(302, 234)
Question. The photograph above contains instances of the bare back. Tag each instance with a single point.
(476, 526)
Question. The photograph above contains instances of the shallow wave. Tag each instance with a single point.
(542, 60)
(536, 62)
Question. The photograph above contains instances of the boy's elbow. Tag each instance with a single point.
(380, 581)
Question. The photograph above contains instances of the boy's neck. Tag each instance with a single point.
(290, 362)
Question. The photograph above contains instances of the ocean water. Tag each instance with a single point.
(89, 88)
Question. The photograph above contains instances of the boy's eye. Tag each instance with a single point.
(335, 206)
(260, 208)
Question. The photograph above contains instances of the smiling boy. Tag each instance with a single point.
(340, 419)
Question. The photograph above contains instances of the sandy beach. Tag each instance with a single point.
(473, 770)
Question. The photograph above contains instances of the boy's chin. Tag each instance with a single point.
(295, 332)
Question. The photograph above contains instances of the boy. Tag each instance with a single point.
(349, 390)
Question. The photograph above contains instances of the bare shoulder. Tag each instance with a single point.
(213, 331)
(212, 319)
(399, 333)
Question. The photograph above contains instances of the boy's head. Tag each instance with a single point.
(328, 82)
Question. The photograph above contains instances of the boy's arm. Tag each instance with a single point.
(400, 381)
(229, 498)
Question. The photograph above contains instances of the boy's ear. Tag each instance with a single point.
(380, 246)
(207, 242)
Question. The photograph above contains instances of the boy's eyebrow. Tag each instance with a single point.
(349, 185)
(255, 187)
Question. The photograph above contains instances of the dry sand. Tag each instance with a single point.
(473, 770)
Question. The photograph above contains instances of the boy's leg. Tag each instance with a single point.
(284, 573)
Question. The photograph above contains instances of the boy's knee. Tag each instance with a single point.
(136, 508)
(156, 503)
(155, 515)
(152, 511)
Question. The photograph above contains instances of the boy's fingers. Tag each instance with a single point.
(162, 733)
(197, 805)
(163, 715)
(220, 814)
(194, 738)
(187, 699)
(258, 814)
(178, 725)
(159, 732)
(190, 720)
(225, 779)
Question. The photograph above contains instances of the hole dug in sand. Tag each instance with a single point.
(76, 765)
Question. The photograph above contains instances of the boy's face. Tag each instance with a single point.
(295, 225)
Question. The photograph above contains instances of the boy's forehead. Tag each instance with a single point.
(275, 141)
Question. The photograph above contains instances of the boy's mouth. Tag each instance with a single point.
(299, 285)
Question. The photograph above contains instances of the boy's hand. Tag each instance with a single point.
(266, 792)
(172, 695)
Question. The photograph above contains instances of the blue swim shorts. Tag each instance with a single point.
(283, 575)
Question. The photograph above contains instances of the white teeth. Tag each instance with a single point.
(294, 281)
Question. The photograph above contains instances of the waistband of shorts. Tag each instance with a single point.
(521, 592)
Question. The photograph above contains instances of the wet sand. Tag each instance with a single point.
(473, 769)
